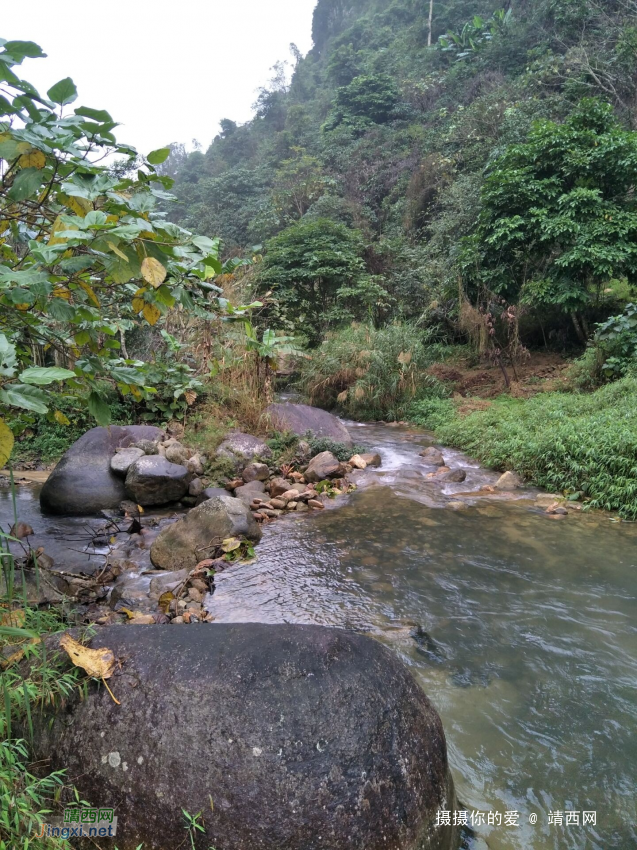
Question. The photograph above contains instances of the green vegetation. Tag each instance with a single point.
(371, 373)
(582, 445)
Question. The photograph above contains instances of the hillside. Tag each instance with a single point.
(389, 138)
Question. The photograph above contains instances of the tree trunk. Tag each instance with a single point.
(578, 328)
(431, 17)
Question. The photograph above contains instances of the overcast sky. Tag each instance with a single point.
(167, 71)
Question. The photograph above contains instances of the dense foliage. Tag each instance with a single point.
(492, 156)
(86, 256)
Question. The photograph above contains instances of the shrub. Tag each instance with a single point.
(342, 451)
(371, 373)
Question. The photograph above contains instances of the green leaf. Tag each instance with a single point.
(20, 50)
(43, 375)
(63, 92)
(100, 115)
(158, 156)
(26, 183)
(7, 357)
(99, 409)
(21, 395)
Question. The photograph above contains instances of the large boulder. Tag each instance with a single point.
(83, 482)
(195, 537)
(301, 418)
(287, 737)
(239, 446)
(154, 480)
(324, 465)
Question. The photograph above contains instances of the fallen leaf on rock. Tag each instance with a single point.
(98, 663)
(230, 544)
(142, 620)
(15, 618)
(12, 654)
(165, 599)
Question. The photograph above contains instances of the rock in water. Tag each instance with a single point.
(287, 737)
(301, 418)
(153, 480)
(83, 483)
(324, 465)
(508, 481)
(194, 538)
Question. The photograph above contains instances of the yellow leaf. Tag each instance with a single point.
(18, 655)
(230, 544)
(146, 234)
(138, 301)
(24, 147)
(14, 619)
(91, 294)
(151, 313)
(153, 272)
(61, 292)
(58, 225)
(112, 219)
(34, 159)
(60, 418)
(98, 663)
(80, 206)
(135, 392)
(23, 307)
(116, 250)
(165, 599)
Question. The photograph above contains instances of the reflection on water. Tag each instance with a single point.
(530, 651)
(528, 643)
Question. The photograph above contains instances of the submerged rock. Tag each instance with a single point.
(154, 480)
(452, 476)
(195, 537)
(288, 737)
(83, 482)
(301, 418)
(433, 456)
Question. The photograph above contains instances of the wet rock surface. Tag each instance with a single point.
(195, 537)
(154, 480)
(301, 418)
(301, 736)
(83, 482)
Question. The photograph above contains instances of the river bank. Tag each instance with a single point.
(518, 625)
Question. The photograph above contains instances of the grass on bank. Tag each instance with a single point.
(579, 444)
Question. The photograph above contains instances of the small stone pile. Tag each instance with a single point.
(270, 494)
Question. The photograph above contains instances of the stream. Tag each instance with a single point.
(526, 640)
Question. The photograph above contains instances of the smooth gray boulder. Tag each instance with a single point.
(239, 446)
(83, 482)
(248, 491)
(122, 461)
(154, 480)
(301, 418)
(324, 465)
(255, 472)
(195, 537)
(286, 737)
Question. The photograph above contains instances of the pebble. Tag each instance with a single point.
(314, 503)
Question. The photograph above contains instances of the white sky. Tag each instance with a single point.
(167, 71)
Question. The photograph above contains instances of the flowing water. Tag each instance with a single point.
(527, 642)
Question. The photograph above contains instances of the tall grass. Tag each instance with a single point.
(31, 681)
(372, 373)
(574, 443)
